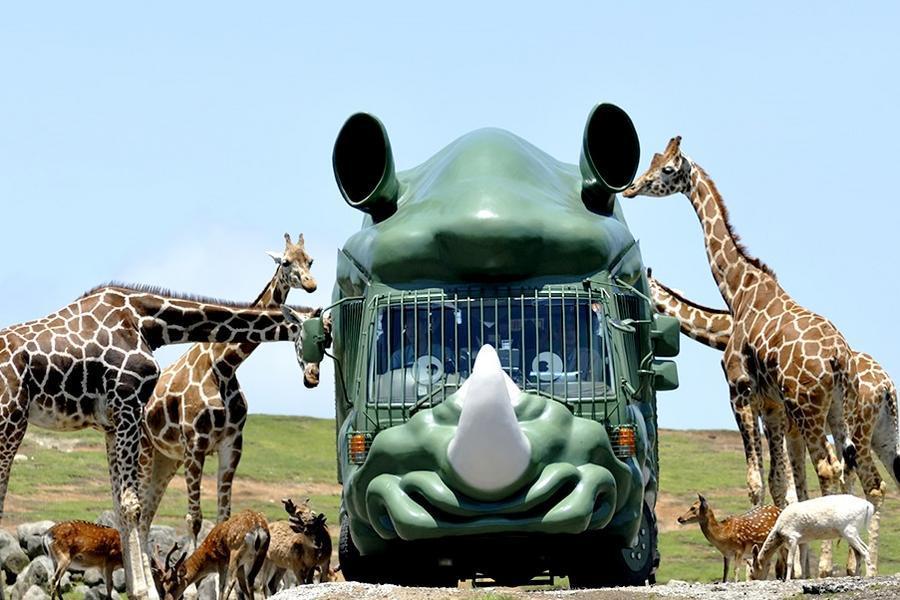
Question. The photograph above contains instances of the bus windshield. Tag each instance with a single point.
(552, 346)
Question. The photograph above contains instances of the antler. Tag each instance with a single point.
(154, 559)
(299, 518)
(178, 561)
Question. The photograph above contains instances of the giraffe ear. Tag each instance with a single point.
(276, 256)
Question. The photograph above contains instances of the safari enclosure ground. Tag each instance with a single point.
(64, 476)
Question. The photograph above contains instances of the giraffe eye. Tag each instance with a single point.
(285, 262)
(668, 170)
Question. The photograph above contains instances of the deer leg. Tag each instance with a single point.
(726, 562)
(229, 457)
(193, 476)
(58, 572)
(275, 580)
(793, 548)
(852, 536)
(325, 574)
(224, 572)
(108, 580)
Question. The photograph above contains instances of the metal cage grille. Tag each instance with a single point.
(553, 343)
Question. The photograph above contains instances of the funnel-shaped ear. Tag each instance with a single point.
(364, 167)
(610, 153)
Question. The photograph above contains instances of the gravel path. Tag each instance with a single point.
(843, 588)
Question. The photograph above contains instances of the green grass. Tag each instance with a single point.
(66, 477)
(294, 456)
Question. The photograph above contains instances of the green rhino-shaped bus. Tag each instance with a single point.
(497, 359)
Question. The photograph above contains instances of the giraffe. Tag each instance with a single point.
(91, 364)
(872, 420)
(198, 407)
(781, 359)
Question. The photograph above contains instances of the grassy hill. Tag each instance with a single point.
(63, 476)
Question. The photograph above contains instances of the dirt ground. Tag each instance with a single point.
(845, 588)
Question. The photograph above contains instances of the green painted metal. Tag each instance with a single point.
(313, 340)
(666, 336)
(408, 463)
(489, 216)
(665, 375)
(490, 208)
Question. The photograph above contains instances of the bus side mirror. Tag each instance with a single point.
(665, 336)
(314, 340)
(665, 375)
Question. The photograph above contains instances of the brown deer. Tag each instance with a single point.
(735, 536)
(83, 545)
(303, 520)
(288, 551)
(235, 549)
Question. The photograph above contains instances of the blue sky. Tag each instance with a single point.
(174, 144)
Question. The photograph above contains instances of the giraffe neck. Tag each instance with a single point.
(709, 326)
(168, 320)
(731, 268)
(233, 355)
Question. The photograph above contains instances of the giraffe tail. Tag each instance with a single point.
(840, 369)
(890, 402)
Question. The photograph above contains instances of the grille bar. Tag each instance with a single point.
(552, 343)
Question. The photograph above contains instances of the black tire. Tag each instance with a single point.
(396, 566)
(354, 566)
(622, 566)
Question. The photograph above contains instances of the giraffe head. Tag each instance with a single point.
(296, 318)
(669, 173)
(294, 264)
(693, 513)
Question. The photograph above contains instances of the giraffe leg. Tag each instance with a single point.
(229, 457)
(194, 459)
(796, 450)
(13, 422)
(746, 417)
(162, 470)
(873, 488)
(124, 448)
(779, 472)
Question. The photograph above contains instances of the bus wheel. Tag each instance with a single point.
(354, 566)
(620, 566)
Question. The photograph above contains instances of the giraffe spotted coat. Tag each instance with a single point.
(198, 407)
(91, 364)
(871, 410)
